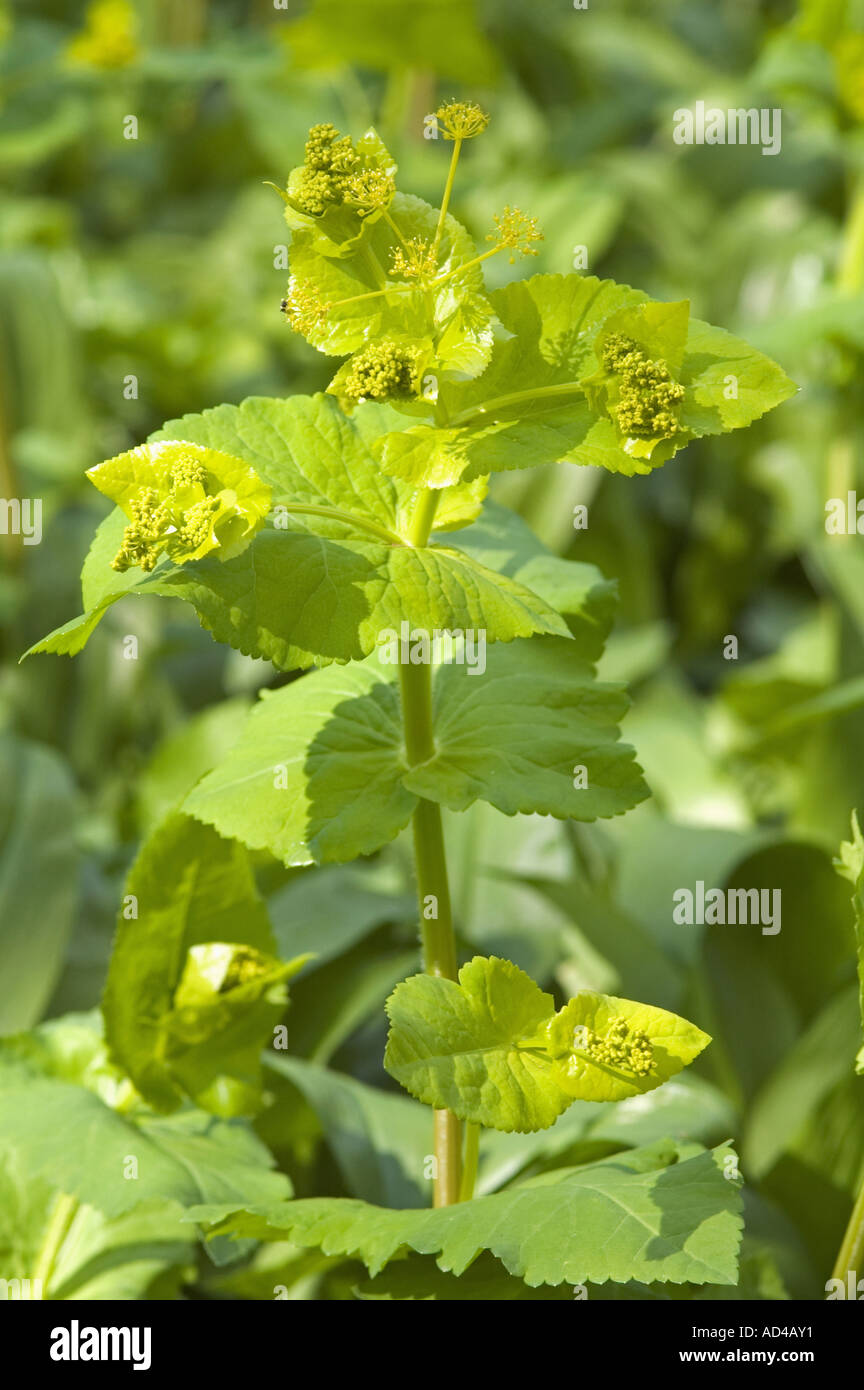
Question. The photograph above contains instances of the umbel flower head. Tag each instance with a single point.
(518, 231)
(414, 260)
(303, 306)
(182, 499)
(461, 120)
(648, 395)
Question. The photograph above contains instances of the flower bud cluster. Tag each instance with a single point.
(381, 371)
(648, 395)
(618, 1047)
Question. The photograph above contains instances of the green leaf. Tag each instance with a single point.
(850, 865)
(501, 541)
(534, 404)
(193, 990)
(330, 1005)
(39, 864)
(581, 1073)
(482, 750)
(351, 899)
(818, 1061)
(139, 1254)
(184, 756)
(320, 773)
(333, 569)
(320, 764)
(492, 1049)
(658, 1215)
(460, 1046)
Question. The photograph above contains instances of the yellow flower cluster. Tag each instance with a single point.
(369, 190)
(304, 308)
(618, 1047)
(381, 371)
(332, 174)
(517, 230)
(415, 260)
(184, 513)
(461, 120)
(648, 395)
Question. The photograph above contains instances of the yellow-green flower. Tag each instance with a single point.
(184, 500)
(461, 120)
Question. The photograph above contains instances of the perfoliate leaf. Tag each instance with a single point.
(492, 1049)
(539, 399)
(572, 766)
(457, 1046)
(660, 1214)
(595, 1039)
(333, 568)
(193, 989)
(320, 772)
(183, 499)
(850, 865)
(502, 541)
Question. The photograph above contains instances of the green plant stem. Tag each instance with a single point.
(469, 1167)
(497, 403)
(336, 514)
(65, 1210)
(423, 516)
(433, 888)
(851, 1253)
(445, 201)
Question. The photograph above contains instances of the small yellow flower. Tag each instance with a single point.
(517, 230)
(182, 499)
(304, 308)
(369, 190)
(461, 120)
(415, 260)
